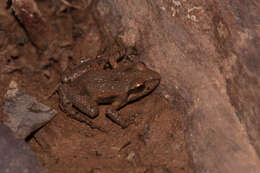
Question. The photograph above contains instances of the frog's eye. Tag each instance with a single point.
(139, 87)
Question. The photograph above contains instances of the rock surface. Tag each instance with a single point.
(208, 55)
(16, 156)
(23, 114)
(31, 18)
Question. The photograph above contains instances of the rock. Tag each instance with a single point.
(16, 156)
(210, 71)
(29, 15)
(130, 156)
(23, 114)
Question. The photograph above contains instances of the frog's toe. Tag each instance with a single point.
(92, 112)
(111, 113)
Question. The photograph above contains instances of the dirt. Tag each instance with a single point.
(156, 139)
(153, 143)
(202, 118)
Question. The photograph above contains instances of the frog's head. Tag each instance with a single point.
(145, 81)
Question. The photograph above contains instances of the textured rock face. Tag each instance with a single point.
(208, 55)
(23, 114)
(16, 156)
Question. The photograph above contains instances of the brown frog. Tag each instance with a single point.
(91, 84)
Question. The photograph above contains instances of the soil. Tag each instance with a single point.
(153, 143)
(202, 118)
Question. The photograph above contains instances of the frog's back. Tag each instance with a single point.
(104, 83)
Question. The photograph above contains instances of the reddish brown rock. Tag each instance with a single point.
(207, 53)
(29, 15)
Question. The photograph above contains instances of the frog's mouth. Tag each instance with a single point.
(142, 90)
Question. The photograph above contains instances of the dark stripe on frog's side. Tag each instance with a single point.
(106, 100)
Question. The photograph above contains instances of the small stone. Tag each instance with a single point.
(23, 114)
(130, 156)
(176, 3)
(65, 44)
(12, 91)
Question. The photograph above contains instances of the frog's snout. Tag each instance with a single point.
(93, 112)
(153, 84)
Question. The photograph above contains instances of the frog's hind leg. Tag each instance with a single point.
(117, 52)
(67, 107)
(85, 105)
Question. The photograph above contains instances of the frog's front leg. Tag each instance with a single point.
(65, 103)
(113, 112)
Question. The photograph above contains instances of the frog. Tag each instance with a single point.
(97, 82)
